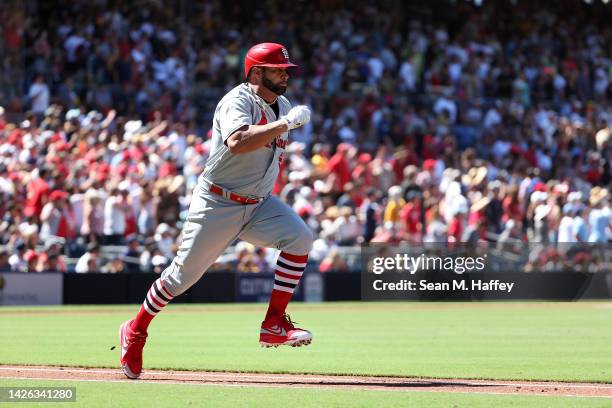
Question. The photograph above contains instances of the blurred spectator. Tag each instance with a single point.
(579, 227)
(32, 261)
(55, 217)
(51, 259)
(38, 189)
(51, 263)
(158, 261)
(370, 214)
(410, 215)
(115, 265)
(394, 208)
(18, 260)
(90, 261)
(456, 229)
(339, 169)
(5, 265)
(116, 210)
(39, 95)
(148, 212)
(346, 227)
(436, 228)
(566, 227)
(147, 255)
(599, 218)
(333, 262)
(164, 240)
(511, 239)
(246, 259)
(131, 258)
(93, 216)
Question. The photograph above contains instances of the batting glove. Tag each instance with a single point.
(297, 116)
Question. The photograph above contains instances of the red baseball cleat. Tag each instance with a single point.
(280, 330)
(132, 343)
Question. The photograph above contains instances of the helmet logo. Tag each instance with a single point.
(285, 53)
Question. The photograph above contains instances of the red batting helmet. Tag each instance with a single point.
(267, 55)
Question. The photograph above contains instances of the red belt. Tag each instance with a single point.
(232, 196)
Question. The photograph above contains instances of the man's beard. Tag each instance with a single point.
(277, 89)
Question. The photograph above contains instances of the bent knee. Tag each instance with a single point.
(301, 242)
(176, 280)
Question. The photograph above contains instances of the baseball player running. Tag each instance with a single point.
(232, 200)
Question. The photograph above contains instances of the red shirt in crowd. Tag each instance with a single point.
(363, 171)
(12, 36)
(512, 210)
(411, 217)
(431, 148)
(531, 157)
(339, 166)
(364, 174)
(401, 161)
(476, 216)
(366, 110)
(130, 224)
(455, 229)
(38, 190)
(593, 175)
(65, 228)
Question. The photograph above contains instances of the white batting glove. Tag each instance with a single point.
(297, 116)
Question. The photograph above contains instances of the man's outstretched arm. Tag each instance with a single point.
(251, 137)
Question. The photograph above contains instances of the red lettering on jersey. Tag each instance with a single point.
(263, 120)
(282, 143)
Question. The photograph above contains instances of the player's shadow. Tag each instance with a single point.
(340, 384)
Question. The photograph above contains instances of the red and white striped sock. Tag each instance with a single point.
(157, 298)
(287, 274)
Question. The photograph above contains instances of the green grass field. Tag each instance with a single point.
(526, 341)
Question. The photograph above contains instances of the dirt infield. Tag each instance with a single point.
(234, 379)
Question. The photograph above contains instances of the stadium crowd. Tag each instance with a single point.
(469, 124)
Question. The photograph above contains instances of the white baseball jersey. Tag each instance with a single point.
(253, 173)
